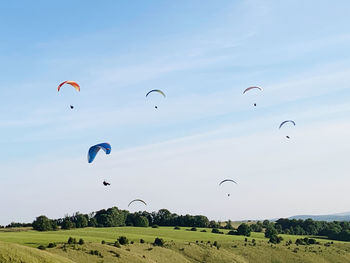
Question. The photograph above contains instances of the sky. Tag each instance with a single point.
(202, 54)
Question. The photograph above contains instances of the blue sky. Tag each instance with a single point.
(202, 54)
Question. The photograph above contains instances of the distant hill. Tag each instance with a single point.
(332, 217)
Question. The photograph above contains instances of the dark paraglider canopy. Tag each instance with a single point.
(71, 106)
(137, 200)
(227, 180)
(156, 91)
(253, 88)
(285, 122)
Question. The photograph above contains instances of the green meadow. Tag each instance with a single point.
(21, 245)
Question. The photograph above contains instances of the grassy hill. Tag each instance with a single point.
(181, 246)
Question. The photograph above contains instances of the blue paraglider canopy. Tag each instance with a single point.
(106, 147)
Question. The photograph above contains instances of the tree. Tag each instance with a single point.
(67, 224)
(275, 239)
(244, 230)
(42, 223)
(256, 227)
(229, 225)
(266, 223)
(141, 221)
(92, 222)
(270, 231)
(80, 220)
(213, 224)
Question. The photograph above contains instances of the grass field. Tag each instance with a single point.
(21, 245)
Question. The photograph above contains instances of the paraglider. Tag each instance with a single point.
(285, 122)
(137, 200)
(106, 183)
(106, 147)
(73, 84)
(70, 82)
(227, 180)
(252, 88)
(157, 91)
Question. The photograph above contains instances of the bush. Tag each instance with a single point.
(244, 230)
(117, 244)
(270, 231)
(51, 245)
(215, 231)
(81, 241)
(41, 247)
(42, 223)
(71, 240)
(275, 239)
(67, 224)
(132, 242)
(232, 232)
(123, 240)
(177, 228)
(103, 242)
(203, 230)
(142, 241)
(158, 242)
(216, 244)
(193, 229)
(155, 226)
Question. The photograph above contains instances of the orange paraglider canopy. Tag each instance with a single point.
(70, 82)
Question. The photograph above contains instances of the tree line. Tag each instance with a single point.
(114, 217)
(335, 230)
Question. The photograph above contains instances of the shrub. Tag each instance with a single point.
(193, 229)
(155, 226)
(270, 231)
(103, 242)
(116, 244)
(142, 241)
(232, 232)
(71, 240)
(42, 223)
(275, 239)
(67, 224)
(177, 228)
(216, 244)
(123, 240)
(81, 241)
(51, 245)
(244, 230)
(41, 247)
(132, 242)
(158, 242)
(215, 231)
(203, 230)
